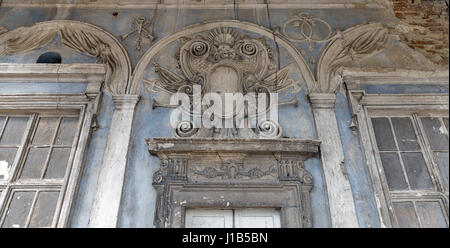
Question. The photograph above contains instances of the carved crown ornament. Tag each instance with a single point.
(225, 61)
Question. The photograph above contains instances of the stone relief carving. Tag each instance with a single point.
(236, 171)
(82, 37)
(205, 172)
(225, 61)
(149, 56)
(3, 30)
(140, 25)
(358, 41)
(171, 169)
(304, 27)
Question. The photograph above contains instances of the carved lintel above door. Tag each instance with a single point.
(233, 173)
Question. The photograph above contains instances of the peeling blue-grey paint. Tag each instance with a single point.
(91, 171)
(138, 198)
(43, 88)
(356, 167)
(404, 89)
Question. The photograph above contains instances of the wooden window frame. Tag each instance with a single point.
(364, 107)
(85, 105)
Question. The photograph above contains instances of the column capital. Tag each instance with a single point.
(322, 100)
(123, 102)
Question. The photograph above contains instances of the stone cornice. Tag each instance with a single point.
(82, 37)
(51, 72)
(201, 4)
(354, 77)
(174, 145)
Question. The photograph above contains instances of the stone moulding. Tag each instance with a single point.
(200, 4)
(157, 145)
(233, 173)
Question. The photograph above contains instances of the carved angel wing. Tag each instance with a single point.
(168, 81)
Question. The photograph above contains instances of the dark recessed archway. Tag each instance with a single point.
(49, 58)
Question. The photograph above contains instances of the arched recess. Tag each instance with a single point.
(82, 37)
(141, 67)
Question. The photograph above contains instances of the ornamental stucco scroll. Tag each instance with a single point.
(225, 61)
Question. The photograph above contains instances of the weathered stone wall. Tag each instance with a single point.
(430, 22)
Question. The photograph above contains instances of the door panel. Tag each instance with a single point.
(257, 218)
(240, 218)
(207, 218)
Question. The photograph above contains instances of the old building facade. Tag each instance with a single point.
(359, 134)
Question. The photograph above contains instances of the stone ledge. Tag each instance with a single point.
(200, 3)
(10, 72)
(175, 145)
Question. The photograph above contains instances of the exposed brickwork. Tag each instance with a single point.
(431, 21)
